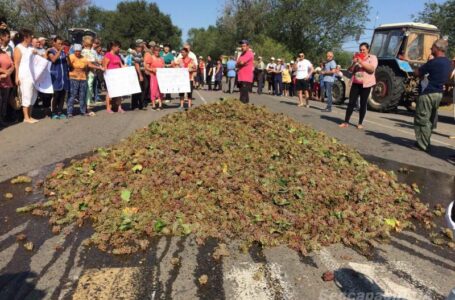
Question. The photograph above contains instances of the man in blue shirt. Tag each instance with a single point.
(426, 116)
(330, 68)
(230, 66)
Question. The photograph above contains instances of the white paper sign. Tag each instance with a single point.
(173, 80)
(122, 82)
(44, 82)
(39, 65)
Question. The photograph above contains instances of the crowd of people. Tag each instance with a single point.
(77, 77)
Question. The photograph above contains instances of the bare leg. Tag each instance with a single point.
(108, 103)
(300, 98)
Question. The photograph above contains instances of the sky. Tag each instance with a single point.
(187, 14)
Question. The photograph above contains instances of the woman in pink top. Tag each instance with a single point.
(151, 63)
(6, 84)
(363, 79)
(111, 61)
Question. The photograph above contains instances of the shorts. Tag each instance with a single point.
(302, 85)
(28, 92)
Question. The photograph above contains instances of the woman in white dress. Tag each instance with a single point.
(24, 80)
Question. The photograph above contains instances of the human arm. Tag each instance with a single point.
(17, 61)
(91, 65)
(106, 61)
(310, 71)
(138, 71)
(333, 69)
(370, 64)
(54, 56)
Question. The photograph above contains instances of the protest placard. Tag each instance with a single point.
(173, 80)
(39, 66)
(122, 82)
(44, 82)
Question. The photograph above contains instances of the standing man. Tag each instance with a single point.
(138, 100)
(230, 66)
(278, 77)
(209, 71)
(303, 71)
(438, 70)
(260, 69)
(329, 72)
(245, 65)
(271, 75)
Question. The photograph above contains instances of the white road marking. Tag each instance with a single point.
(200, 96)
(7, 254)
(14, 231)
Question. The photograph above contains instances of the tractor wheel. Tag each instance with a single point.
(387, 93)
(338, 92)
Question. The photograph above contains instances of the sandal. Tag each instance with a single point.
(343, 125)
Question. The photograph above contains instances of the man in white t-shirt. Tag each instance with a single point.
(303, 71)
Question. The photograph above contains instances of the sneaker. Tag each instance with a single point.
(55, 117)
(326, 110)
(63, 116)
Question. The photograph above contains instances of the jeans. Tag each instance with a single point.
(261, 77)
(278, 81)
(356, 91)
(244, 91)
(231, 83)
(79, 91)
(328, 89)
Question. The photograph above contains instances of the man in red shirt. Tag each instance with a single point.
(245, 65)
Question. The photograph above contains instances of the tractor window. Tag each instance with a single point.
(387, 43)
(395, 39)
(377, 46)
(419, 46)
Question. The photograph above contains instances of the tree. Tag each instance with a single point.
(133, 20)
(441, 15)
(12, 11)
(311, 26)
(52, 16)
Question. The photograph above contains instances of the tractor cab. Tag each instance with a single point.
(401, 48)
(75, 35)
(409, 42)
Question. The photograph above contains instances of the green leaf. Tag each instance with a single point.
(159, 225)
(281, 202)
(126, 196)
(137, 168)
(83, 206)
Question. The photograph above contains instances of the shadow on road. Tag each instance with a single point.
(18, 286)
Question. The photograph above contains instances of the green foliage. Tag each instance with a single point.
(343, 58)
(282, 28)
(133, 20)
(441, 15)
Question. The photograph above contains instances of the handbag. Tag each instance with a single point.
(15, 101)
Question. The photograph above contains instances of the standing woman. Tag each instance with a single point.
(111, 61)
(59, 76)
(6, 84)
(219, 76)
(186, 62)
(363, 79)
(24, 80)
(90, 55)
(153, 61)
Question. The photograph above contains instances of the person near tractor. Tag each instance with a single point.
(438, 71)
(329, 71)
(363, 68)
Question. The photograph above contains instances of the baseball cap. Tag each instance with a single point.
(161, 46)
(139, 41)
(242, 42)
(77, 47)
(42, 38)
(272, 58)
(152, 44)
(291, 61)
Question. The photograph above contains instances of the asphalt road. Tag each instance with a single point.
(60, 267)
